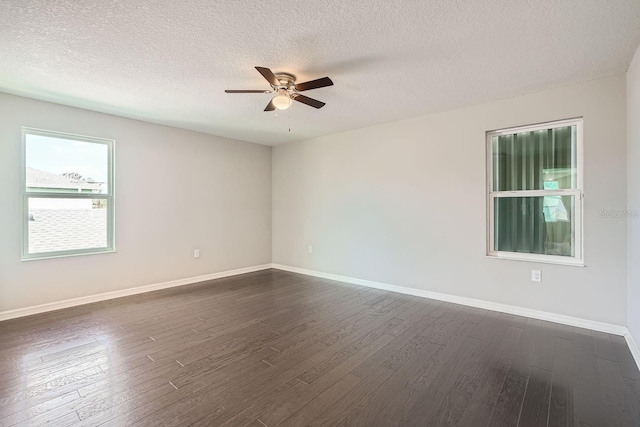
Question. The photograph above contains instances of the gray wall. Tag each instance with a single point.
(176, 191)
(404, 203)
(633, 177)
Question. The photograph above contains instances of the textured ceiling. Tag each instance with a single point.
(168, 61)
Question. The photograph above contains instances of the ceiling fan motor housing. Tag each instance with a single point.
(285, 92)
(287, 81)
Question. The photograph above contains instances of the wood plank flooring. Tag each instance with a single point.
(274, 348)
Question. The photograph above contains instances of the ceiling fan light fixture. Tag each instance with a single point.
(281, 102)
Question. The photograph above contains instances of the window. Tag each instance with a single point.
(67, 194)
(535, 192)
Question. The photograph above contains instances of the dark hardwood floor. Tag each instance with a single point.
(276, 348)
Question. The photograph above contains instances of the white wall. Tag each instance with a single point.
(404, 203)
(633, 178)
(176, 191)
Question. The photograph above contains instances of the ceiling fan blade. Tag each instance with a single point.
(247, 91)
(309, 101)
(268, 74)
(314, 84)
(270, 106)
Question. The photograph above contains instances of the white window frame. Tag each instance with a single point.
(26, 195)
(578, 193)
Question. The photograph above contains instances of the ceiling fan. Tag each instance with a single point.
(286, 89)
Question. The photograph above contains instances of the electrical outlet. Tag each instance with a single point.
(310, 249)
(196, 253)
(536, 276)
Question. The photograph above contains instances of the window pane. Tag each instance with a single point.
(58, 165)
(57, 224)
(536, 225)
(538, 160)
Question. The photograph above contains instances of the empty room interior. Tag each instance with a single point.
(336, 213)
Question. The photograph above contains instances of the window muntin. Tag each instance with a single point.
(67, 194)
(535, 192)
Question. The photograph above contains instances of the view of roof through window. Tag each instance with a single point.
(65, 166)
(66, 160)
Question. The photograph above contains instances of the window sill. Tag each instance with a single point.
(569, 262)
(38, 257)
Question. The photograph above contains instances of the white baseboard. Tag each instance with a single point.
(487, 305)
(635, 351)
(37, 309)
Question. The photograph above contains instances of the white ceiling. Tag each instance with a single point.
(169, 61)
